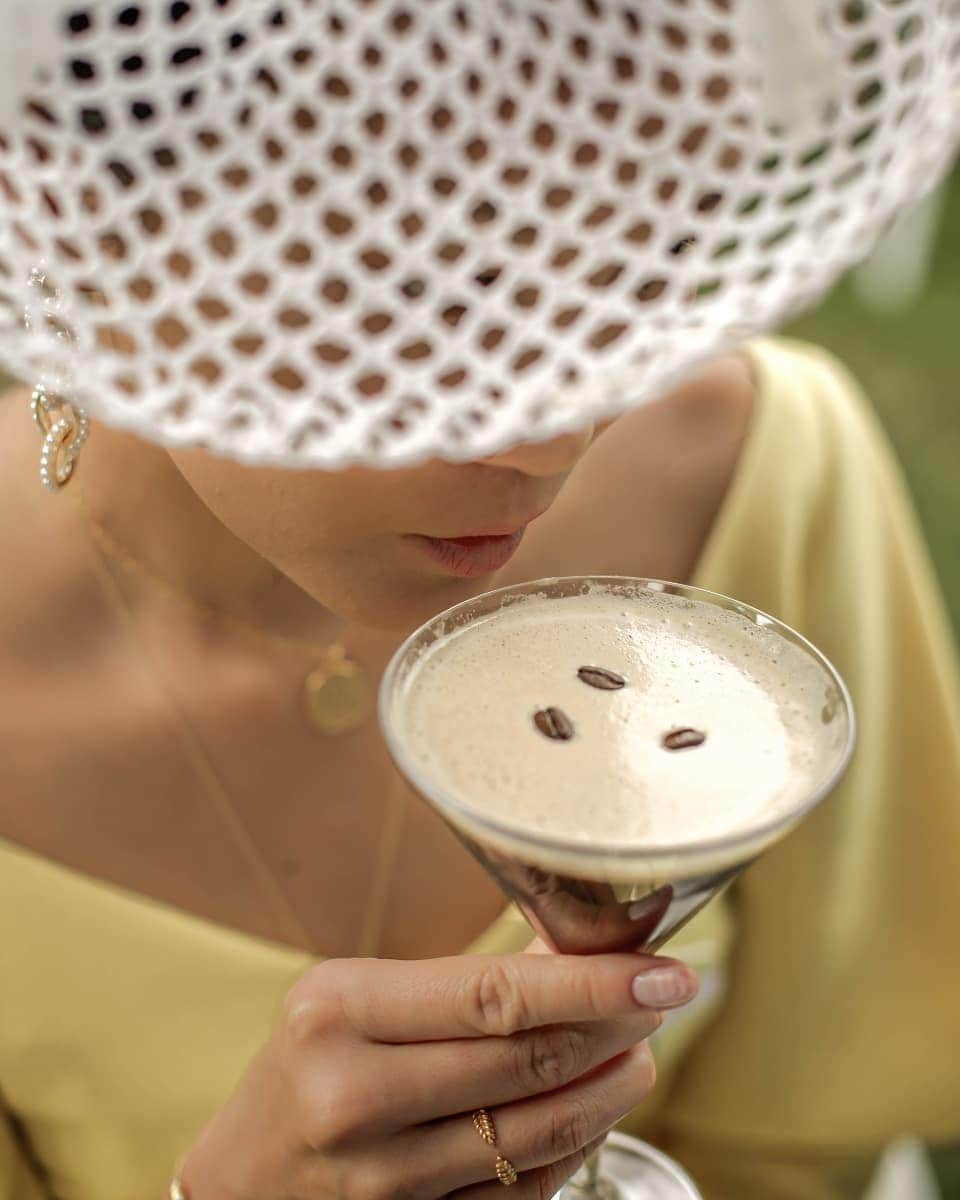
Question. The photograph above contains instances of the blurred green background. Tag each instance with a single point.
(908, 362)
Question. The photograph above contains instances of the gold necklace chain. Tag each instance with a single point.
(388, 845)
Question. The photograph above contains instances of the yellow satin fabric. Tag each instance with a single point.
(827, 1020)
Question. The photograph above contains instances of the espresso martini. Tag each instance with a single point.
(614, 752)
(642, 719)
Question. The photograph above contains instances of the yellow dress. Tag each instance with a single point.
(828, 1019)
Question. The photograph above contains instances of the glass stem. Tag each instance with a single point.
(589, 1183)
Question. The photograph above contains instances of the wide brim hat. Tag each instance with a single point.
(316, 233)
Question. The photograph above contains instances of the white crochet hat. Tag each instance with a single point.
(316, 232)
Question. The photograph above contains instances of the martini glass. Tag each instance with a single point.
(590, 897)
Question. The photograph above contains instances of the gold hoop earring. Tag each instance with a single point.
(64, 428)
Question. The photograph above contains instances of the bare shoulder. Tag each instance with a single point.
(645, 496)
(46, 635)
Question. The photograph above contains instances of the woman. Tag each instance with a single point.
(179, 844)
(238, 954)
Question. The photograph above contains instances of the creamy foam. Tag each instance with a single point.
(466, 708)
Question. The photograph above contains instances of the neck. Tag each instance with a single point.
(132, 490)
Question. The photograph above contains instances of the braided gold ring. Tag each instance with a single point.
(483, 1123)
(506, 1171)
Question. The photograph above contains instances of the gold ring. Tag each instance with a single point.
(483, 1124)
(506, 1171)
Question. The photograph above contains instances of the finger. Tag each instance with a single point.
(534, 1185)
(443, 1078)
(485, 996)
(531, 1133)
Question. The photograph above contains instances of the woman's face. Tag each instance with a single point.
(377, 547)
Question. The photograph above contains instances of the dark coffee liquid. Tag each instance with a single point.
(581, 916)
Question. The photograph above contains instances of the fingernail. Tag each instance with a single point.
(662, 987)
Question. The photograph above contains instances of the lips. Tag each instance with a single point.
(469, 557)
(483, 550)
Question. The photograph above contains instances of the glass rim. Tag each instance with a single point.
(480, 821)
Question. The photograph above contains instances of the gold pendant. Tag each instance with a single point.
(338, 697)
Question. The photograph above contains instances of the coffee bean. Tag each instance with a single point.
(554, 724)
(683, 739)
(600, 677)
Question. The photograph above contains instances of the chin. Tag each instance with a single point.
(401, 604)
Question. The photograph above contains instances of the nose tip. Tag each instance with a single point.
(553, 457)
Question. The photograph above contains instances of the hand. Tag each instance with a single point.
(367, 1089)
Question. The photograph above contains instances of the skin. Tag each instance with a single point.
(349, 553)
(552, 1046)
(320, 556)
